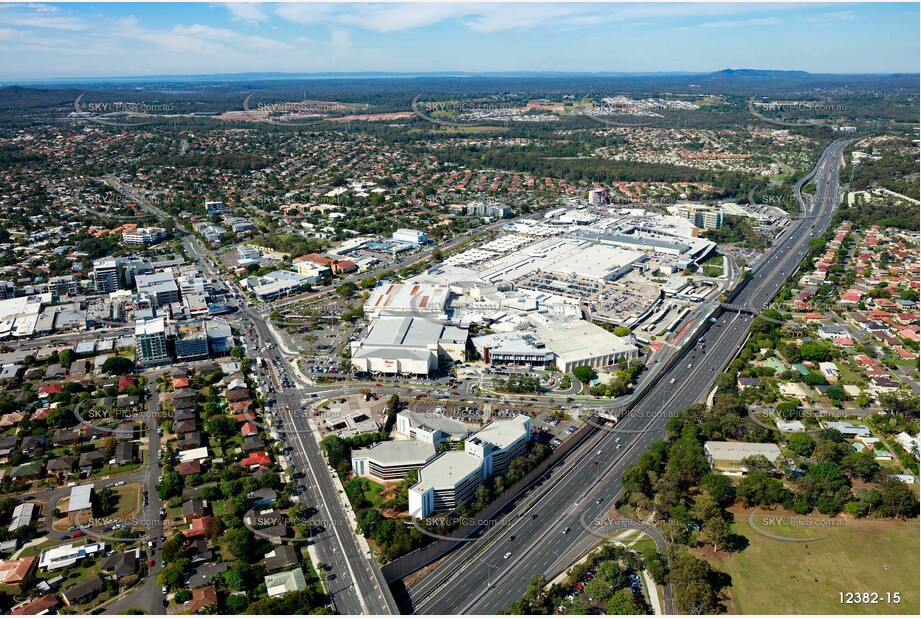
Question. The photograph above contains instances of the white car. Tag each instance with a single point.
(508, 555)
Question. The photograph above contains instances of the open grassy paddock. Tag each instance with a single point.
(778, 577)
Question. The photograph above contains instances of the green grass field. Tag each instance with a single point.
(713, 267)
(777, 577)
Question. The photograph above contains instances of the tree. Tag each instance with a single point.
(758, 489)
(902, 402)
(621, 603)
(237, 603)
(174, 573)
(715, 532)
(107, 501)
(234, 579)
(584, 374)
(758, 462)
(118, 365)
(897, 500)
(534, 601)
(170, 486)
(861, 465)
(173, 548)
(718, 487)
(801, 444)
(335, 449)
(66, 357)
(599, 589)
(705, 508)
(694, 583)
(346, 290)
(611, 572)
(240, 542)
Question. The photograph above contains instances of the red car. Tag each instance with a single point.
(579, 587)
(76, 535)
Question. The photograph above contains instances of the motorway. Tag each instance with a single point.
(478, 579)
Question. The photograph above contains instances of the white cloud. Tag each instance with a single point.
(193, 38)
(39, 16)
(827, 17)
(248, 12)
(496, 17)
(741, 23)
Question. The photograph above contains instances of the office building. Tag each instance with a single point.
(453, 477)
(402, 345)
(727, 457)
(215, 208)
(150, 342)
(62, 286)
(388, 462)
(144, 236)
(191, 340)
(704, 217)
(413, 237)
(160, 288)
(106, 276)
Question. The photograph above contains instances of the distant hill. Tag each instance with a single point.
(758, 74)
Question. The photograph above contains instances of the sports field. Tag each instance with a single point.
(785, 577)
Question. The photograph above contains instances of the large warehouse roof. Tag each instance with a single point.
(737, 451)
(406, 298)
(579, 338)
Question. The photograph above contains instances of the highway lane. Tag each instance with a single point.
(540, 546)
(489, 581)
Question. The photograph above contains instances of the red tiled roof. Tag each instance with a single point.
(16, 570)
(198, 528)
(36, 606)
(202, 598)
(258, 458)
(180, 383)
(189, 467)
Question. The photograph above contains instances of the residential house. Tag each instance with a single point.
(120, 564)
(204, 600)
(82, 592)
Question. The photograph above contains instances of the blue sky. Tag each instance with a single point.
(40, 41)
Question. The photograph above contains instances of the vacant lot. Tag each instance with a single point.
(777, 577)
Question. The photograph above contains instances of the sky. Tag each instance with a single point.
(67, 40)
